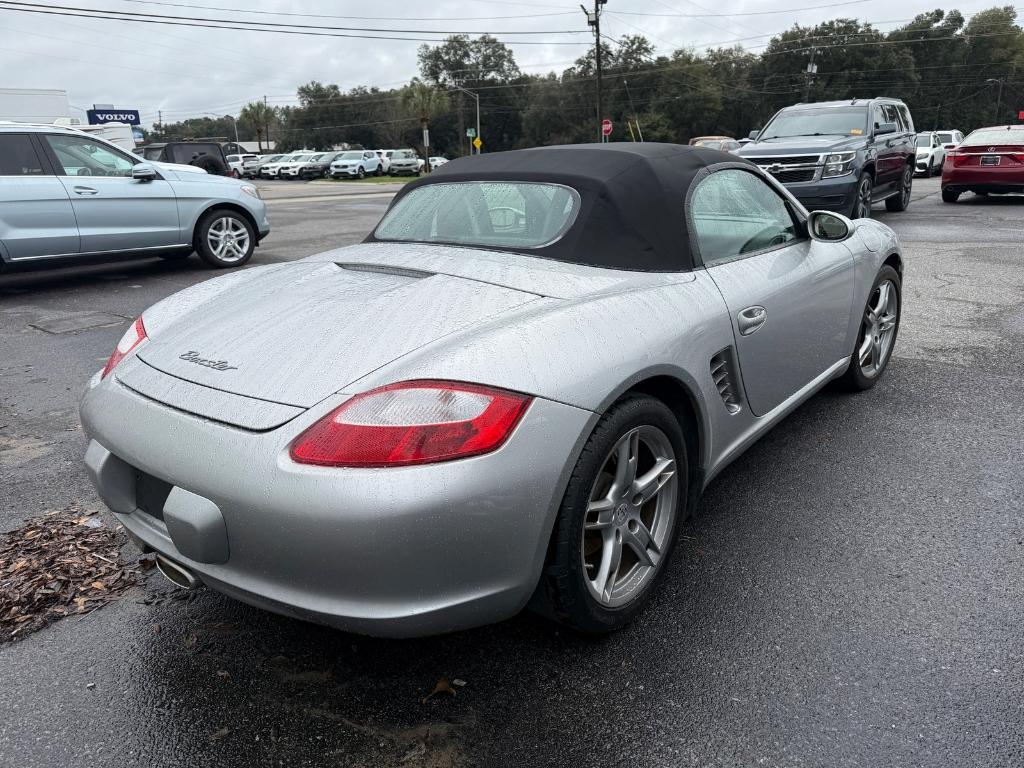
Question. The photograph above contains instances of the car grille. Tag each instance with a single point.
(790, 177)
(796, 160)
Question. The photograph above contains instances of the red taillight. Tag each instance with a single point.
(414, 422)
(135, 335)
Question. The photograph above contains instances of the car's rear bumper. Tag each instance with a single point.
(994, 179)
(393, 552)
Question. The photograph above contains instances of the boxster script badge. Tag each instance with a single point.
(218, 365)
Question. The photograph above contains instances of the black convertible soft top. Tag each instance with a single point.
(632, 198)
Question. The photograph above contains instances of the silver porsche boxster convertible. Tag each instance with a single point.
(511, 393)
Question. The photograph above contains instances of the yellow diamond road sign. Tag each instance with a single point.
(477, 143)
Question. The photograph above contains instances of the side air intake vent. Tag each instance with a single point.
(723, 372)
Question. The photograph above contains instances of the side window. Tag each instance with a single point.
(18, 157)
(892, 115)
(905, 114)
(735, 213)
(878, 116)
(83, 157)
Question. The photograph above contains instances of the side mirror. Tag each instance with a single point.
(828, 227)
(883, 128)
(143, 172)
(753, 134)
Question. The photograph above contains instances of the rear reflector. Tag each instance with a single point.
(413, 422)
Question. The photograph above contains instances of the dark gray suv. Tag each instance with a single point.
(840, 155)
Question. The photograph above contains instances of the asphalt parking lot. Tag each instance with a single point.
(848, 594)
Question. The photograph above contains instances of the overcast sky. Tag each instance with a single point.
(187, 72)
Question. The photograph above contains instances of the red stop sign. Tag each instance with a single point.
(606, 127)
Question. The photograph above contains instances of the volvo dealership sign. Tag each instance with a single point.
(101, 116)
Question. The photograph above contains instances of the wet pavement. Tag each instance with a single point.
(848, 593)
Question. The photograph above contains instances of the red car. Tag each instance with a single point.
(988, 160)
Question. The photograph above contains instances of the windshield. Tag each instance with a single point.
(924, 140)
(299, 158)
(350, 156)
(712, 143)
(316, 158)
(946, 138)
(484, 213)
(996, 137)
(843, 121)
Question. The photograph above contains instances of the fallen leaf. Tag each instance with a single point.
(191, 640)
(223, 673)
(218, 735)
(442, 686)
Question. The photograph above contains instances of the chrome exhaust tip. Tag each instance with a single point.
(177, 574)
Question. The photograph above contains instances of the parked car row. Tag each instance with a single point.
(351, 164)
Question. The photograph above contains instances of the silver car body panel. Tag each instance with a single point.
(417, 550)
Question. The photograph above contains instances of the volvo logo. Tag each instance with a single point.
(991, 149)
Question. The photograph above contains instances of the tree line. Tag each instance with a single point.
(953, 72)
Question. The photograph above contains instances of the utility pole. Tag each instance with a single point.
(812, 70)
(999, 99)
(266, 117)
(476, 98)
(594, 20)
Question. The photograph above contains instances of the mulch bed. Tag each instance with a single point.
(56, 565)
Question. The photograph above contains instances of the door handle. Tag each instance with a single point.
(750, 319)
(86, 191)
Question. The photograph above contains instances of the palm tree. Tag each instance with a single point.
(259, 115)
(422, 100)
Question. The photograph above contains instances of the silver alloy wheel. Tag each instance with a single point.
(879, 329)
(228, 239)
(864, 199)
(630, 514)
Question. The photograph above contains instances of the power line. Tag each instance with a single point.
(202, 23)
(357, 18)
(275, 25)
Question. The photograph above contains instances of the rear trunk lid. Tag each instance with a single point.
(297, 335)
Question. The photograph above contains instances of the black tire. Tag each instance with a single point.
(855, 380)
(901, 202)
(362, 173)
(861, 208)
(928, 171)
(200, 240)
(950, 195)
(563, 594)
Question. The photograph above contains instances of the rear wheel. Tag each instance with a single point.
(862, 202)
(901, 201)
(619, 518)
(224, 238)
(879, 326)
(950, 195)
